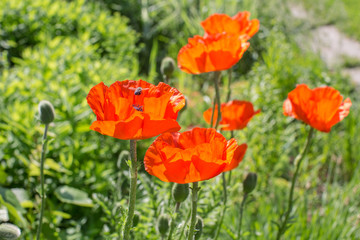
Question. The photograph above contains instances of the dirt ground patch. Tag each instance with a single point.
(332, 45)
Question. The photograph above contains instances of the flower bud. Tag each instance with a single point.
(46, 111)
(9, 231)
(162, 224)
(250, 182)
(198, 228)
(180, 192)
(167, 67)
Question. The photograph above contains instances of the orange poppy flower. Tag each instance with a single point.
(235, 114)
(192, 156)
(213, 53)
(237, 25)
(135, 109)
(321, 107)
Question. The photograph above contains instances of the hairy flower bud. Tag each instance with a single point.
(162, 224)
(9, 231)
(46, 111)
(198, 228)
(167, 67)
(250, 182)
(180, 192)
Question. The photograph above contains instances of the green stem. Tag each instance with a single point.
(241, 215)
(173, 220)
(229, 175)
(224, 206)
(212, 113)
(166, 79)
(284, 224)
(217, 76)
(132, 194)
(228, 95)
(194, 198)
(43, 150)
(183, 227)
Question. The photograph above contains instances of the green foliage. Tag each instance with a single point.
(58, 50)
(27, 23)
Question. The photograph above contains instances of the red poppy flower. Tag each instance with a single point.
(192, 156)
(213, 53)
(135, 109)
(235, 114)
(237, 25)
(321, 107)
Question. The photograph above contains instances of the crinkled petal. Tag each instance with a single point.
(217, 53)
(192, 156)
(321, 107)
(234, 154)
(129, 129)
(96, 100)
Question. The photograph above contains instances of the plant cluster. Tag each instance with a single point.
(66, 182)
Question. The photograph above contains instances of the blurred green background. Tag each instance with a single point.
(57, 50)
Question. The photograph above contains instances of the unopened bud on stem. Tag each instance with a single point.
(250, 182)
(9, 231)
(46, 112)
(180, 192)
(163, 224)
(167, 67)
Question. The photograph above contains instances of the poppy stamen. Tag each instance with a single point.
(138, 107)
(138, 91)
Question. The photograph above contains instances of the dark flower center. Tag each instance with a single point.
(138, 91)
(138, 107)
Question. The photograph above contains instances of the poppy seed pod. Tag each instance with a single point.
(249, 183)
(167, 67)
(180, 192)
(9, 231)
(198, 228)
(162, 224)
(46, 111)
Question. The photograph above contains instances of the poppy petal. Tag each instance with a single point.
(236, 25)
(135, 109)
(125, 130)
(235, 114)
(154, 127)
(96, 100)
(234, 154)
(321, 107)
(192, 156)
(215, 53)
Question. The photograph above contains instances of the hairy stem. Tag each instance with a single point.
(224, 206)
(194, 198)
(185, 224)
(173, 220)
(132, 194)
(217, 76)
(43, 196)
(241, 215)
(228, 94)
(284, 224)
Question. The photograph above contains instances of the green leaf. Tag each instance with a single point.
(9, 197)
(23, 197)
(73, 196)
